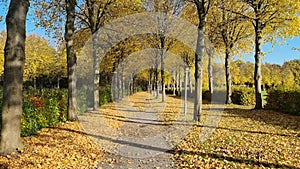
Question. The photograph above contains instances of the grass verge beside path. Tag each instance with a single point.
(245, 138)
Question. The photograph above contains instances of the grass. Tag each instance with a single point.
(245, 138)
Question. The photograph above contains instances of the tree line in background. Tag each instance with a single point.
(46, 67)
(233, 27)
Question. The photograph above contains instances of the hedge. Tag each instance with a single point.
(85, 97)
(243, 96)
(48, 107)
(283, 100)
(105, 95)
(42, 108)
(240, 95)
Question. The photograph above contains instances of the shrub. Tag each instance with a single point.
(206, 95)
(169, 91)
(105, 95)
(43, 108)
(284, 100)
(217, 96)
(243, 96)
(140, 89)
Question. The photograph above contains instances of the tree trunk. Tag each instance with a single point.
(58, 82)
(177, 81)
(120, 85)
(130, 88)
(190, 81)
(123, 82)
(200, 51)
(71, 59)
(228, 77)
(14, 55)
(257, 72)
(34, 82)
(186, 69)
(156, 82)
(163, 90)
(96, 74)
(210, 75)
(133, 85)
(150, 81)
(153, 84)
(180, 84)
(174, 84)
(115, 86)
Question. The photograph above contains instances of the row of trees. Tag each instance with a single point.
(42, 60)
(233, 27)
(285, 76)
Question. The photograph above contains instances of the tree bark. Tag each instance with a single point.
(34, 82)
(186, 69)
(228, 77)
(120, 85)
(190, 81)
(71, 60)
(258, 62)
(123, 82)
(115, 86)
(156, 81)
(210, 75)
(96, 75)
(58, 82)
(14, 58)
(150, 81)
(179, 83)
(200, 51)
(163, 90)
(174, 83)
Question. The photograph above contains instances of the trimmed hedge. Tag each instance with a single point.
(85, 100)
(218, 95)
(105, 95)
(243, 96)
(283, 100)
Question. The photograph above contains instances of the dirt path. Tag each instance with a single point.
(137, 132)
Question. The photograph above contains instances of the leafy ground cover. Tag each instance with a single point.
(244, 138)
(64, 146)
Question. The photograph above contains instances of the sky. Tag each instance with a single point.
(277, 55)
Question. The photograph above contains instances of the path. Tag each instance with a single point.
(137, 132)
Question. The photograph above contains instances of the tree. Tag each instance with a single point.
(2, 45)
(40, 58)
(167, 7)
(93, 15)
(294, 66)
(227, 29)
(71, 59)
(13, 76)
(203, 7)
(270, 19)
